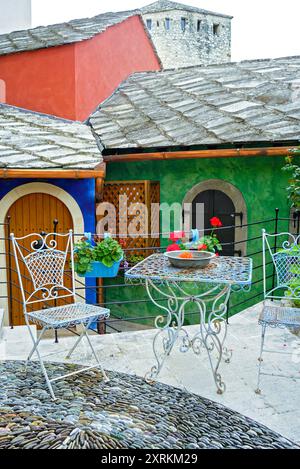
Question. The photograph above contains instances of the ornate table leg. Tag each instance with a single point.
(169, 327)
(213, 326)
(213, 332)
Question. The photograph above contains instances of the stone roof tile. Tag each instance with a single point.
(228, 103)
(32, 140)
(59, 34)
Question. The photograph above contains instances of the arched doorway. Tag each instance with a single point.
(32, 213)
(217, 204)
(221, 199)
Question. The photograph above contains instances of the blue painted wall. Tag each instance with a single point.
(82, 190)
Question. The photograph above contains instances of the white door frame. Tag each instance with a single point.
(8, 200)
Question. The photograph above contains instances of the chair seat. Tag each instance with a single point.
(280, 316)
(68, 316)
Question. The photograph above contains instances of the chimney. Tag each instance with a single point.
(14, 15)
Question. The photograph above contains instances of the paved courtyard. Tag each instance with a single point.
(277, 407)
(90, 413)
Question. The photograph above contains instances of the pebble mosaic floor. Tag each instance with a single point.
(124, 413)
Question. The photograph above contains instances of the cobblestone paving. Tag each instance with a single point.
(124, 413)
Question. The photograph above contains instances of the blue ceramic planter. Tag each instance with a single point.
(99, 270)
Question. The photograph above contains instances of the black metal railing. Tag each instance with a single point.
(126, 300)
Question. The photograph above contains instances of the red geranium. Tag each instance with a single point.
(216, 222)
(176, 236)
(202, 247)
(173, 247)
(123, 243)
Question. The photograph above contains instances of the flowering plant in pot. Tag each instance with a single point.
(101, 260)
(209, 243)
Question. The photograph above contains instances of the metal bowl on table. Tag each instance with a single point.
(196, 259)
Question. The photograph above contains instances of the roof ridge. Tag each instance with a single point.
(40, 114)
(165, 5)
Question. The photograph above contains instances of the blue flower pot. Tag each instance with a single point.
(99, 270)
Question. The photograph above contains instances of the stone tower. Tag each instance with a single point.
(14, 15)
(184, 35)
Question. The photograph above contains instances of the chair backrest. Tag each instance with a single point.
(46, 265)
(282, 252)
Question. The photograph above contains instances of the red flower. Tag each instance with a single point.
(216, 222)
(217, 254)
(202, 247)
(176, 236)
(173, 247)
(123, 243)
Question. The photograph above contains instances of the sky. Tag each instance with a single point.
(261, 28)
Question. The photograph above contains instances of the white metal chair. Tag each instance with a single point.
(283, 255)
(46, 265)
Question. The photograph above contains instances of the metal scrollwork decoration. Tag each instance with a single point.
(45, 264)
(285, 256)
(174, 291)
(213, 326)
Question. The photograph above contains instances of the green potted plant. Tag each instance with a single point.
(101, 260)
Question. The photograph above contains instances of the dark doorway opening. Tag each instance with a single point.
(217, 204)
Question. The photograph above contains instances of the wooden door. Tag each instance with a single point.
(33, 213)
(218, 204)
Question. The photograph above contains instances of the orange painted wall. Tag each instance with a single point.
(42, 80)
(105, 61)
(71, 81)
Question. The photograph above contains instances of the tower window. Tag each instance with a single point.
(168, 24)
(157, 24)
(199, 22)
(149, 24)
(183, 24)
(216, 29)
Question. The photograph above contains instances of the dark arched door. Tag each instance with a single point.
(217, 204)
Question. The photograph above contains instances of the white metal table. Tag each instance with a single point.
(175, 291)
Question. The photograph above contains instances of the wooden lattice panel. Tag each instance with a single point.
(136, 192)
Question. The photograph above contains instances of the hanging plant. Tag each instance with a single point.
(83, 257)
(101, 260)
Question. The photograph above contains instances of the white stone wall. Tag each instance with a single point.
(179, 49)
(14, 15)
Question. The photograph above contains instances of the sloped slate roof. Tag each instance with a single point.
(80, 29)
(165, 5)
(33, 141)
(250, 101)
(60, 34)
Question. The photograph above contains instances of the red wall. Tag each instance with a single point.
(105, 61)
(41, 80)
(71, 81)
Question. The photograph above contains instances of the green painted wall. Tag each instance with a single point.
(261, 182)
